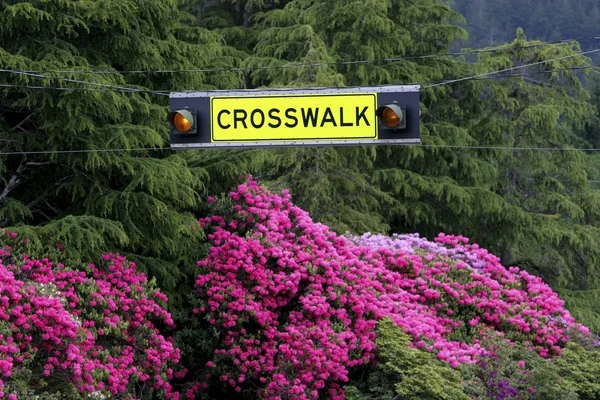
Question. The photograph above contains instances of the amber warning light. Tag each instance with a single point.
(183, 121)
(392, 116)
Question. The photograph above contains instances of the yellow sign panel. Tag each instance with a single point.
(341, 116)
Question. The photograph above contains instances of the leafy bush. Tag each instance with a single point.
(507, 371)
(512, 371)
(71, 333)
(289, 309)
(285, 308)
(470, 284)
(579, 370)
(403, 372)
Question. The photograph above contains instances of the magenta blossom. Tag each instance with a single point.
(91, 331)
(297, 305)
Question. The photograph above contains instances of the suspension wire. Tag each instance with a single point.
(310, 64)
(511, 69)
(440, 146)
(113, 87)
(165, 92)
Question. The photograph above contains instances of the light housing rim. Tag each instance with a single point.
(396, 109)
(185, 113)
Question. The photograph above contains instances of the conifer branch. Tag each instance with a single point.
(20, 124)
(39, 163)
(37, 199)
(537, 82)
(14, 181)
(45, 193)
(43, 197)
(247, 14)
(50, 206)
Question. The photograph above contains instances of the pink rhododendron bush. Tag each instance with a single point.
(293, 307)
(77, 333)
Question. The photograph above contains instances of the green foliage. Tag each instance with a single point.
(571, 376)
(591, 130)
(579, 370)
(335, 185)
(534, 380)
(531, 207)
(537, 209)
(141, 203)
(534, 208)
(545, 185)
(406, 373)
(585, 306)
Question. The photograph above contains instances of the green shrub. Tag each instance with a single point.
(404, 373)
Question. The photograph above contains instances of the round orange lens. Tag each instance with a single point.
(181, 123)
(390, 118)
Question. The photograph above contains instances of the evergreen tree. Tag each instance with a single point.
(334, 184)
(552, 187)
(137, 202)
(534, 208)
(520, 204)
(590, 133)
(514, 202)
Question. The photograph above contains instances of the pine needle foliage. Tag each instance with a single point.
(531, 207)
(553, 187)
(536, 209)
(335, 184)
(141, 203)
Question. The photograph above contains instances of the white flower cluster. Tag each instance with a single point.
(51, 291)
(97, 395)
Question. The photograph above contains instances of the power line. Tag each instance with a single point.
(551, 71)
(69, 89)
(491, 147)
(525, 74)
(165, 92)
(511, 69)
(309, 64)
(79, 151)
(442, 146)
(113, 87)
(578, 39)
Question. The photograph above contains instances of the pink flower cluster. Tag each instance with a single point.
(297, 305)
(93, 331)
(510, 301)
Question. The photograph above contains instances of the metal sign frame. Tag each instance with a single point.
(407, 96)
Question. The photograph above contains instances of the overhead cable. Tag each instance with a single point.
(77, 89)
(511, 69)
(112, 87)
(308, 64)
(441, 146)
(79, 151)
(165, 92)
